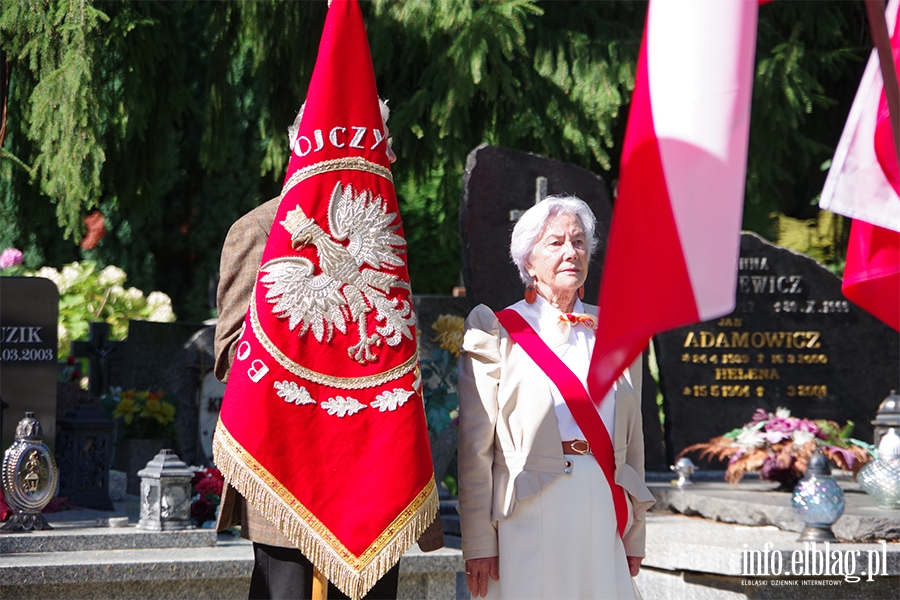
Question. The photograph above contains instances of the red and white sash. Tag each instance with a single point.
(579, 401)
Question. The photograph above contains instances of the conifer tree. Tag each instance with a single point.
(170, 117)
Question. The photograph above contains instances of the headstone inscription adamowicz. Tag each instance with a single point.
(500, 184)
(29, 314)
(793, 340)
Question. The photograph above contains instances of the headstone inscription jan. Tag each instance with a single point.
(793, 341)
(500, 184)
(29, 314)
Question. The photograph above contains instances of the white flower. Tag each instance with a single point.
(134, 294)
(69, 276)
(112, 275)
(162, 314)
(62, 333)
(783, 412)
(157, 299)
(751, 438)
(49, 273)
(116, 291)
(800, 437)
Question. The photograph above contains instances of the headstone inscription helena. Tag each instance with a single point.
(793, 341)
(29, 314)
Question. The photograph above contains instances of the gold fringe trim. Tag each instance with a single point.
(352, 163)
(353, 575)
(343, 383)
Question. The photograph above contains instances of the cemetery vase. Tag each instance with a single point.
(133, 454)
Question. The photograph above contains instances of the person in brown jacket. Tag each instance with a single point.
(280, 570)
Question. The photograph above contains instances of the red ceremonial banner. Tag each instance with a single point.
(322, 427)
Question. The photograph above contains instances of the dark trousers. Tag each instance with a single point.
(285, 574)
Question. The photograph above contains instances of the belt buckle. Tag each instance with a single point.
(586, 450)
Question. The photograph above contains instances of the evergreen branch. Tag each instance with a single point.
(4, 154)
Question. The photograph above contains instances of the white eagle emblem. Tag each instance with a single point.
(350, 286)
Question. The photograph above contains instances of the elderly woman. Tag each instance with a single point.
(540, 516)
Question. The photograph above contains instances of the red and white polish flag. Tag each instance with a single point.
(675, 234)
(864, 184)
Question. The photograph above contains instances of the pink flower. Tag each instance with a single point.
(10, 258)
(783, 425)
(759, 415)
(773, 437)
(812, 428)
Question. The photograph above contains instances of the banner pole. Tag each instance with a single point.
(319, 585)
(878, 24)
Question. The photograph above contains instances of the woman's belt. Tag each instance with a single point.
(577, 447)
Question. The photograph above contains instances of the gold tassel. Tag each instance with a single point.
(356, 576)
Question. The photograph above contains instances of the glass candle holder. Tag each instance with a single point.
(880, 478)
(818, 501)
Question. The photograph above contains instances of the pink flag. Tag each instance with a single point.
(675, 233)
(863, 184)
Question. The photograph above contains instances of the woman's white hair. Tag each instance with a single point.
(530, 226)
(295, 126)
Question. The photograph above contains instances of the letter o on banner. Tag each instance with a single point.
(297, 150)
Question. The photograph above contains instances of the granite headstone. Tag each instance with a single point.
(500, 184)
(29, 315)
(172, 357)
(793, 341)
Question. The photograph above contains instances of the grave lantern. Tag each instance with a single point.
(880, 478)
(82, 452)
(818, 501)
(30, 477)
(888, 416)
(165, 493)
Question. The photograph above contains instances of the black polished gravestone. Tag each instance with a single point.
(793, 341)
(174, 358)
(500, 184)
(29, 314)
